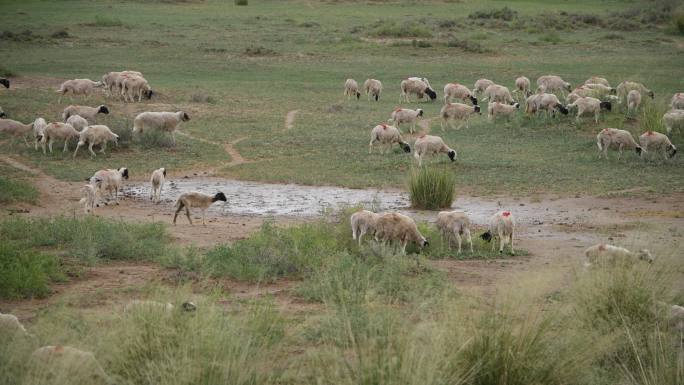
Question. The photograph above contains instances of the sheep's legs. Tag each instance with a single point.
(173, 138)
(90, 148)
(493, 245)
(104, 147)
(66, 146)
(510, 240)
(204, 215)
(469, 239)
(458, 240)
(619, 151)
(50, 145)
(502, 242)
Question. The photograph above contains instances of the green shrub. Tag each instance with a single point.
(431, 188)
(550, 37)
(7, 72)
(421, 44)
(25, 273)
(107, 21)
(241, 2)
(467, 45)
(678, 20)
(504, 13)
(391, 28)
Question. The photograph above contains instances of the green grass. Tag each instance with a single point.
(26, 273)
(14, 188)
(431, 188)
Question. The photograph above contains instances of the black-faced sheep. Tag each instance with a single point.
(373, 88)
(453, 224)
(673, 119)
(88, 113)
(406, 115)
(656, 142)
(199, 200)
(427, 145)
(616, 139)
(457, 111)
(136, 87)
(496, 109)
(589, 105)
(162, 121)
(96, 135)
(387, 135)
(418, 87)
(5, 82)
(502, 226)
(458, 91)
(351, 88)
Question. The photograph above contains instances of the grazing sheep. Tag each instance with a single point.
(495, 109)
(58, 131)
(550, 104)
(16, 129)
(522, 85)
(362, 223)
(5, 82)
(387, 135)
(66, 364)
(604, 252)
(589, 105)
(616, 139)
(88, 113)
(89, 193)
(136, 86)
(78, 87)
(146, 305)
(416, 86)
(552, 83)
(406, 115)
(162, 121)
(498, 93)
(597, 91)
(400, 228)
(502, 226)
(633, 100)
(652, 141)
(454, 224)
(199, 200)
(96, 135)
(373, 88)
(10, 325)
(457, 111)
(458, 91)
(602, 88)
(38, 131)
(481, 85)
(424, 80)
(351, 88)
(113, 81)
(597, 80)
(110, 180)
(77, 122)
(533, 103)
(673, 119)
(626, 86)
(157, 180)
(427, 145)
(677, 102)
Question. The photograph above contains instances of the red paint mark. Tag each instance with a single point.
(384, 126)
(398, 109)
(506, 213)
(59, 349)
(649, 133)
(605, 130)
(422, 136)
(602, 247)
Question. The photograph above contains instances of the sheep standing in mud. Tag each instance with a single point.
(398, 228)
(502, 226)
(161, 121)
(656, 142)
(550, 104)
(363, 222)
(406, 115)
(157, 181)
(351, 88)
(418, 87)
(616, 139)
(454, 224)
(427, 145)
(604, 252)
(199, 200)
(457, 111)
(387, 135)
(458, 91)
(110, 180)
(373, 88)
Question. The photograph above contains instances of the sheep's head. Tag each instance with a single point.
(562, 109)
(646, 255)
(431, 93)
(358, 95)
(487, 236)
(606, 106)
(420, 112)
(516, 105)
(148, 94)
(452, 155)
(423, 242)
(5, 82)
(164, 172)
(3, 114)
(671, 151)
(219, 197)
(568, 87)
(189, 306)
(477, 109)
(405, 146)
(638, 150)
(185, 117)
(651, 94)
(103, 110)
(124, 172)
(613, 91)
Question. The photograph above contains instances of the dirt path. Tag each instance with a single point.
(290, 118)
(228, 147)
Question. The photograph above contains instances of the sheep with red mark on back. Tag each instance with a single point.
(502, 226)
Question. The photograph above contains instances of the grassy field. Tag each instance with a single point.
(239, 70)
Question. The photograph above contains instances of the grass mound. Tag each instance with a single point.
(431, 188)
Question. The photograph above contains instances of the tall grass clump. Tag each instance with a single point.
(431, 188)
(107, 21)
(660, 361)
(26, 273)
(651, 118)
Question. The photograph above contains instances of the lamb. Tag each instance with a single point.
(38, 131)
(110, 180)
(626, 86)
(552, 83)
(597, 80)
(495, 109)
(373, 88)
(406, 115)
(454, 224)
(5, 82)
(58, 131)
(400, 228)
(16, 129)
(363, 222)
(673, 119)
(96, 135)
(10, 325)
(89, 193)
(677, 102)
(146, 305)
(418, 87)
(522, 85)
(162, 121)
(502, 226)
(196, 199)
(481, 85)
(633, 100)
(590, 105)
(351, 88)
(457, 111)
(66, 362)
(77, 122)
(604, 252)
(387, 135)
(657, 142)
(498, 93)
(136, 86)
(429, 145)
(458, 91)
(157, 180)
(88, 113)
(550, 103)
(614, 138)
(78, 87)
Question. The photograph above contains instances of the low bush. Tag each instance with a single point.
(390, 28)
(467, 45)
(504, 13)
(431, 188)
(107, 21)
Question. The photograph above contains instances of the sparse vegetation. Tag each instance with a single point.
(107, 21)
(25, 273)
(391, 28)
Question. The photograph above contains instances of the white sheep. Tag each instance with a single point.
(416, 86)
(110, 180)
(96, 135)
(458, 91)
(550, 103)
(136, 86)
(502, 226)
(616, 139)
(677, 101)
(5, 82)
(387, 135)
(157, 181)
(78, 87)
(498, 93)
(533, 103)
(597, 80)
(604, 252)
(522, 85)
(652, 141)
(454, 224)
(676, 318)
(16, 129)
(673, 119)
(626, 86)
(77, 122)
(113, 81)
(427, 145)
(553, 83)
(399, 228)
(38, 131)
(481, 85)
(589, 105)
(406, 115)
(89, 194)
(58, 131)
(147, 305)
(162, 121)
(495, 109)
(363, 222)
(88, 113)
(351, 88)
(10, 325)
(373, 88)
(63, 364)
(633, 100)
(457, 111)
(199, 200)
